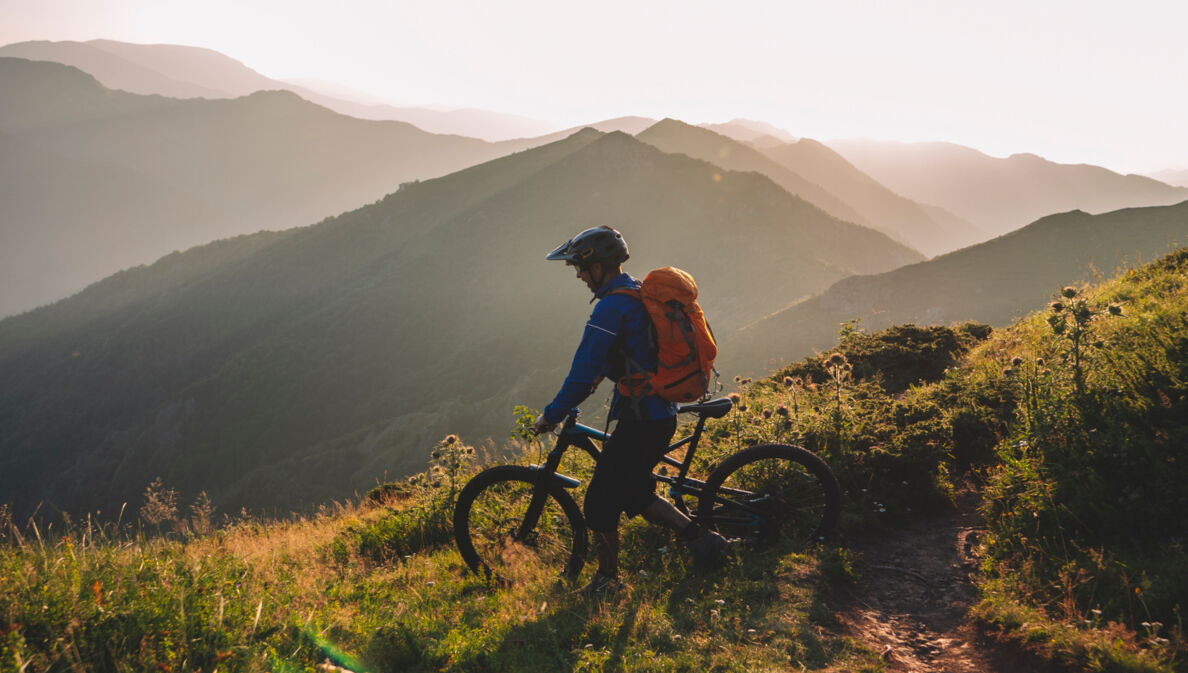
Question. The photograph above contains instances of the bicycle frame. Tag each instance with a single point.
(573, 434)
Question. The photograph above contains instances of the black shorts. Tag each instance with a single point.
(622, 480)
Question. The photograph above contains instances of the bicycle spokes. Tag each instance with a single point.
(771, 498)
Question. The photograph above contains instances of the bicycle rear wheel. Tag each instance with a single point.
(772, 494)
(510, 530)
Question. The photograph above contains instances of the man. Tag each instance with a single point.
(618, 329)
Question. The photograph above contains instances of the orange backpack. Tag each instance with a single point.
(685, 344)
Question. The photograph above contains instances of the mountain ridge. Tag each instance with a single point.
(671, 135)
(992, 282)
(1000, 195)
(190, 72)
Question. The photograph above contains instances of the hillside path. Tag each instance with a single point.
(913, 600)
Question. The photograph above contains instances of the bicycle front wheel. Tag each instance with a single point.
(772, 494)
(510, 529)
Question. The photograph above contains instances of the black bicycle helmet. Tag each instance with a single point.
(599, 244)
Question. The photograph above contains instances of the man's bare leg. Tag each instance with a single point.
(606, 546)
(664, 513)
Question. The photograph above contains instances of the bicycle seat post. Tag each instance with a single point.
(693, 440)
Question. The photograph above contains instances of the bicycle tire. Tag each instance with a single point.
(488, 516)
(772, 494)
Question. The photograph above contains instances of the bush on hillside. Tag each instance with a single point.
(869, 411)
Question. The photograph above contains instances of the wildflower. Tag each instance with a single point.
(767, 413)
(450, 439)
(782, 410)
(788, 424)
(836, 359)
(1017, 362)
(1069, 292)
(1057, 306)
(734, 397)
(1039, 362)
(1007, 371)
(788, 381)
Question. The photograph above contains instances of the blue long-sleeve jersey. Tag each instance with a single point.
(619, 319)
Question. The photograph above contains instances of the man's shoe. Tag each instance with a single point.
(601, 585)
(708, 550)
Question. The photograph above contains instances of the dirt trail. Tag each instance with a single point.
(914, 597)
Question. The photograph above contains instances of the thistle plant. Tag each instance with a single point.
(449, 460)
(1072, 318)
(737, 415)
(839, 371)
(1033, 379)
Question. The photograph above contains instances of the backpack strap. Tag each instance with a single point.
(631, 364)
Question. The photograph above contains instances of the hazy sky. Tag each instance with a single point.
(1073, 81)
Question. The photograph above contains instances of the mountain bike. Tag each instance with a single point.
(516, 521)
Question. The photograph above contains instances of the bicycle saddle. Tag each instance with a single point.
(712, 409)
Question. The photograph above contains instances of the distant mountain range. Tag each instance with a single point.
(98, 180)
(1178, 178)
(751, 131)
(280, 369)
(1000, 195)
(929, 229)
(818, 174)
(994, 282)
(194, 72)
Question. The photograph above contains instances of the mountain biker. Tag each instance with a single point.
(622, 483)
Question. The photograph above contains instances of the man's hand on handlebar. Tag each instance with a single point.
(541, 426)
